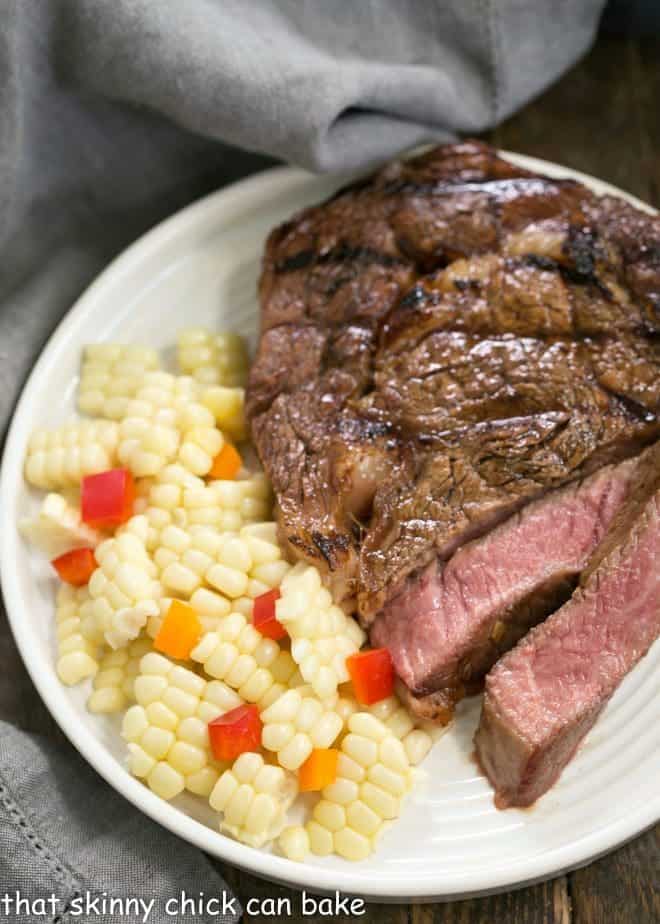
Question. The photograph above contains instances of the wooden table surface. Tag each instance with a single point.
(602, 118)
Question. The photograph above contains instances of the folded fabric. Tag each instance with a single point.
(331, 85)
(70, 846)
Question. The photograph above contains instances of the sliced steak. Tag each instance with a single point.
(449, 625)
(544, 696)
(441, 344)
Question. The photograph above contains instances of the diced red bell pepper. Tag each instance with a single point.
(372, 674)
(75, 567)
(107, 498)
(235, 732)
(263, 616)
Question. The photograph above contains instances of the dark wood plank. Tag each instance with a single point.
(254, 892)
(589, 120)
(546, 903)
(621, 888)
(645, 84)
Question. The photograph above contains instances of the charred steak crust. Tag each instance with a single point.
(440, 344)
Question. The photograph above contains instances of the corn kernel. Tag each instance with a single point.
(366, 792)
(57, 527)
(322, 635)
(294, 843)
(165, 781)
(254, 799)
(62, 457)
(77, 657)
(169, 725)
(320, 839)
(351, 845)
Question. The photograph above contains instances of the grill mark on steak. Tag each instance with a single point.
(582, 273)
(536, 300)
(297, 261)
(635, 410)
(331, 547)
(342, 253)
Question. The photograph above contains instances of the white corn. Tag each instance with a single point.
(212, 359)
(243, 500)
(148, 438)
(240, 656)
(227, 506)
(113, 686)
(164, 422)
(194, 557)
(57, 527)
(266, 531)
(416, 735)
(296, 724)
(160, 392)
(294, 843)
(62, 457)
(124, 586)
(111, 375)
(185, 556)
(228, 408)
(373, 776)
(322, 635)
(168, 489)
(209, 606)
(186, 496)
(76, 656)
(157, 519)
(201, 441)
(253, 798)
(167, 731)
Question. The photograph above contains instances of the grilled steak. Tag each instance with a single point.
(545, 695)
(448, 629)
(441, 344)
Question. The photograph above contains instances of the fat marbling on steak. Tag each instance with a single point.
(543, 697)
(441, 344)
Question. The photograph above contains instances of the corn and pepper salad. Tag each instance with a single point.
(235, 675)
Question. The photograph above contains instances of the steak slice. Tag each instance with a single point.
(544, 696)
(441, 344)
(447, 628)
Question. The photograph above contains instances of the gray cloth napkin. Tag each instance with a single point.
(70, 842)
(115, 114)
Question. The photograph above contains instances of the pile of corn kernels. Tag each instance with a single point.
(199, 545)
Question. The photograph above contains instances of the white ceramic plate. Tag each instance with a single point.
(200, 267)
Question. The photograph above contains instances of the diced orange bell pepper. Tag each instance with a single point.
(107, 499)
(226, 464)
(180, 631)
(235, 732)
(319, 770)
(372, 674)
(263, 616)
(75, 567)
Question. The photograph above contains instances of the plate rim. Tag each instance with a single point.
(423, 885)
